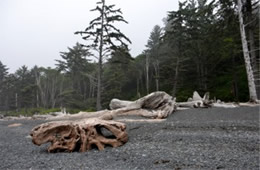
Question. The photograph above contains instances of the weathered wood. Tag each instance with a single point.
(157, 105)
(80, 135)
(82, 131)
(196, 101)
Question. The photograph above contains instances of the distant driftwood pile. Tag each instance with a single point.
(198, 102)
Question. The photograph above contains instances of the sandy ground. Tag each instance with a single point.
(215, 138)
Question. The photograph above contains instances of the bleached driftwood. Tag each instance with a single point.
(84, 130)
(196, 101)
(155, 105)
(80, 135)
(225, 105)
(219, 103)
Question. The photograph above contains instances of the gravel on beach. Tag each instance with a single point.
(214, 138)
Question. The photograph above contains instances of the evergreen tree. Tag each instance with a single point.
(153, 52)
(78, 70)
(117, 75)
(103, 36)
(24, 88)
(3, 77)
(175, 42)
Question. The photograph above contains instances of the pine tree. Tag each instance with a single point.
(153, 52)
(103, 36)
(3, 76)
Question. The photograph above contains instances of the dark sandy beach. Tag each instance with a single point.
(214, 138)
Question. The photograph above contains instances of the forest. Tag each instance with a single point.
(198, 48)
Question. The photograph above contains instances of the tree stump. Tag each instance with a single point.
(80, 135)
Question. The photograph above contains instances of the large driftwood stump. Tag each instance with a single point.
(80, 135)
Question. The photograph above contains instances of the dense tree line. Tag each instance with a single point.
(198, 48)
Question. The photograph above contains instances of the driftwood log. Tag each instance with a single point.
(196, 101)
(156, 105)
(84, 130)
(80, 135)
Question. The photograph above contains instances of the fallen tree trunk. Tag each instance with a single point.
(84, 131)
(157, 105)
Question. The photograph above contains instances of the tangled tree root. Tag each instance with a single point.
(80, 135)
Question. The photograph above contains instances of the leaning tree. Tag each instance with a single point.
(103, 37)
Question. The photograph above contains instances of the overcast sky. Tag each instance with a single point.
(33, 32)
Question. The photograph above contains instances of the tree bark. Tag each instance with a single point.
(250, 76)
(175, 83)
(100, 60)
(250, 30)
(16, 102)
(137, 87)
(157, 73)
(249, 20)
(147, 73)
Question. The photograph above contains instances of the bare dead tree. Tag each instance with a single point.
(250, 76)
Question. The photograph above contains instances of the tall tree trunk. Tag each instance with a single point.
(99, 82)
(137, 87)
(91, 87)
(85, 91)
(37, 98)
(250, 76)
(157, 84)
(53, 90)
(254, 62)
(234, 84)
(60, 92)
(205, 78)
(16, 102)
(249, 22)
(42, 90)
(157, 73)
(252, 48)
(175, 83)
(147, 73)
(100, 61)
